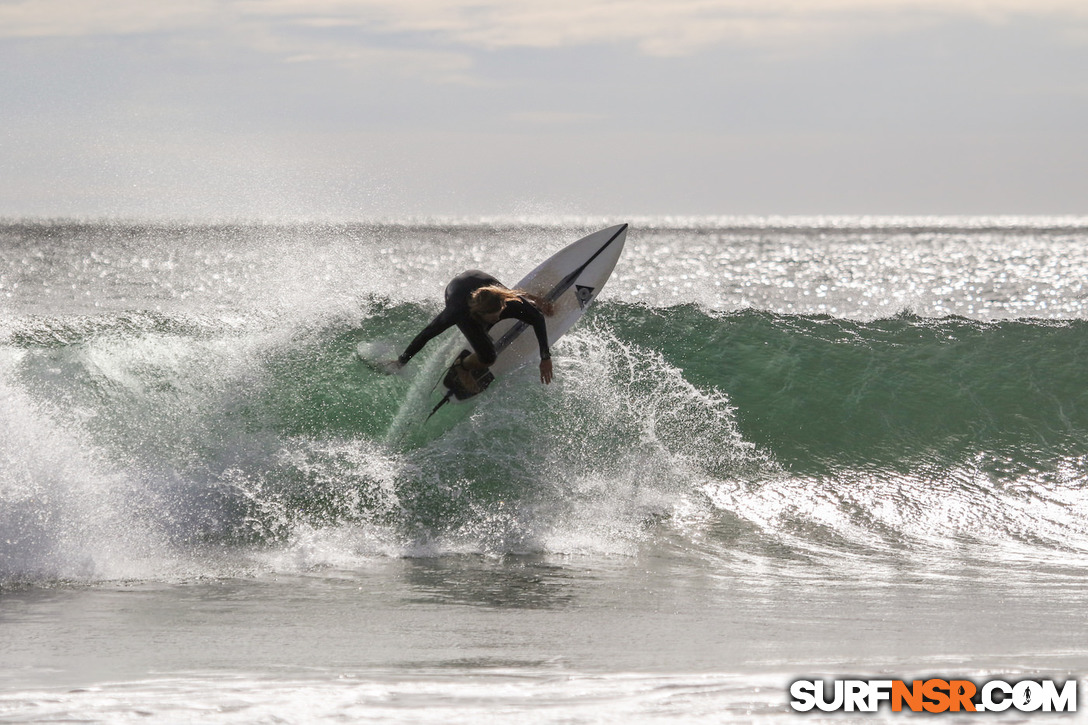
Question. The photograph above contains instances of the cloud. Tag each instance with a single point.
(659, 28)
(272, 28)
(72, 18)
(437, 65)
(677, 27)
(437, 40)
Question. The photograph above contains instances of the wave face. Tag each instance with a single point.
(209, 418)
(824, 394)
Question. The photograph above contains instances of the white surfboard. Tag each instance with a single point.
(571, 279)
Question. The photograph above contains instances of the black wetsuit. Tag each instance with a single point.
(457, 313)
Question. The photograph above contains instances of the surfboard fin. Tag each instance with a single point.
(445, 399)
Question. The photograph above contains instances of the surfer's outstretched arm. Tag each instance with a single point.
(438, 325)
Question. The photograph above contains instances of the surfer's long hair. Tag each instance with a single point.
(487, 300)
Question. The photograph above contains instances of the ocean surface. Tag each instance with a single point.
(773, 449)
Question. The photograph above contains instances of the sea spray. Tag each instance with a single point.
(65, 513)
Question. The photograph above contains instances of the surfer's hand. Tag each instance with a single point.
(390, 366)
(545, 371)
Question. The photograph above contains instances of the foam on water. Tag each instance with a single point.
(544, 696)
(64, 514)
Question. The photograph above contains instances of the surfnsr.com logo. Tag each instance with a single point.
(934, 695)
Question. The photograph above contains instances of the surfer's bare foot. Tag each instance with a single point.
(465, 378)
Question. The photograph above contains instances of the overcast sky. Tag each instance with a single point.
(355, 109)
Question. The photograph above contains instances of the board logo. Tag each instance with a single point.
(584, 294)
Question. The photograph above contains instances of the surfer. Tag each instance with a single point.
(474, 302)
